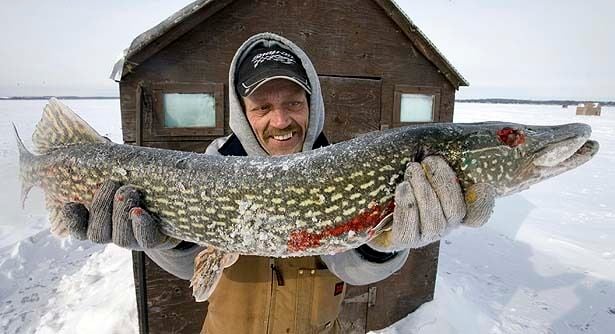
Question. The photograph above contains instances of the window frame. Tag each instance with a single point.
(159, 89)
(422, 90)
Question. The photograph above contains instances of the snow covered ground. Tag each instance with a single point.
(545, 263)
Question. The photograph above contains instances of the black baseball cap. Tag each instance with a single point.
(265, 63)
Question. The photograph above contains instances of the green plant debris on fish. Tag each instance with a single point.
(318, 202)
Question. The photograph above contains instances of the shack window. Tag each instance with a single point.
(416, 108)
(187, 110)
(416, 104)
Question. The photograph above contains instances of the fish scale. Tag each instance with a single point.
(318, 202)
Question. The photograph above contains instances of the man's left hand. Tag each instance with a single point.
(429, 203)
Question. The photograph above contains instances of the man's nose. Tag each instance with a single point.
(280, 118)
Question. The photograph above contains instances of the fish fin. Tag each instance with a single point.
(208, 267)
(57, 225)
(60, 126)
(26, 159)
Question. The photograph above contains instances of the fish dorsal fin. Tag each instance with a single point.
(60, 127)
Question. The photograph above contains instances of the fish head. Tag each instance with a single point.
(512, 157)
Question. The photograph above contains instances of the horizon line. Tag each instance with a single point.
(461, 100)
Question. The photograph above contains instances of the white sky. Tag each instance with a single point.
(523, 48)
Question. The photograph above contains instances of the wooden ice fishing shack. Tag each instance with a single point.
(377, 71)
(589, 109)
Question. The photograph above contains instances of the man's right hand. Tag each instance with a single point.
(117, 216)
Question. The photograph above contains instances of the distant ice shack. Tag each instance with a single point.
(377, 71)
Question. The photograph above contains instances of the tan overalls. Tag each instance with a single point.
(265, 295)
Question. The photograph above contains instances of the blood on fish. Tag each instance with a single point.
(301, 240)
(511, 137)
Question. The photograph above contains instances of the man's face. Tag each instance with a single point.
(278, 114)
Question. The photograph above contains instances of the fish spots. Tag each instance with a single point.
(367, 185)
(296, 190)
(379, 189)
(331, 209)
(350, 211)
(300, 240)
(511, 137)
(386, 168)
(356, 174)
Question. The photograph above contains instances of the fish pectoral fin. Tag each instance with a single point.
(60, 126)
(57, 225)
(208, 267)
(229, 259)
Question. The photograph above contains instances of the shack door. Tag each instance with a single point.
(353, 107)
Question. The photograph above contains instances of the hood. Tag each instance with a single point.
(237, 118)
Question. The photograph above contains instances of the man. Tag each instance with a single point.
(276, 108)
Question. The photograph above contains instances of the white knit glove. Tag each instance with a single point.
(429, 203)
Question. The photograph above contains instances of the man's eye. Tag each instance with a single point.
(262, 108)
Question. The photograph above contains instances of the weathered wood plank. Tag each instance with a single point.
(353, 107)
(406, 290)
(172, 308)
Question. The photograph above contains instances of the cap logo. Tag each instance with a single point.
(275, 55)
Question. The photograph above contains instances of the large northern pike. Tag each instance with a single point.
(317, 202)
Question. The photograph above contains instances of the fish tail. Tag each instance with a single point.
(26, 162)
(59, 127)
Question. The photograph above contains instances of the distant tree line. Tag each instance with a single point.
(59, 97)
(490, 100)
(551, 102)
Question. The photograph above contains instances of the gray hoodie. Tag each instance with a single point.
(349, 266)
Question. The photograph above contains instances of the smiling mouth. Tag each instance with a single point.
(284, 137)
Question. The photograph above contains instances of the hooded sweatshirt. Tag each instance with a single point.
(356, 267)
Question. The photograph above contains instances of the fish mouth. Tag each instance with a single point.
(556, 153)
(569, 147)
(559, 157)
(569, 155)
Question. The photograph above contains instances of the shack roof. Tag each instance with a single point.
(181, 22)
